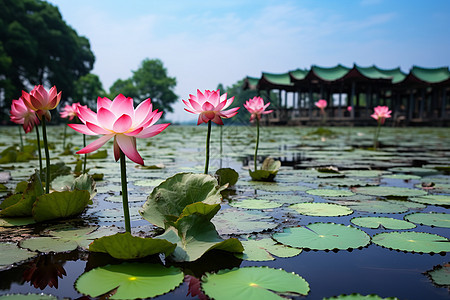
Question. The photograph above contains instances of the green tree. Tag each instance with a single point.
(149, 81)
(43, 49)
(87, 89)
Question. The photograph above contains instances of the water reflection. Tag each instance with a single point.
(44, 271)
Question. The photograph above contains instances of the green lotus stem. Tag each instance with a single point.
(21, 140)
(85, 155)
(38, 141)
(257, 143)
(375, 138)
(208, 136)
(220, 149)
(47, 156)
(64, 137)
(123, 174)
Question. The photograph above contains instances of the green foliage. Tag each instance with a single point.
(268, 171)
(149, 81)
(227, 176)
(87, 88)
(60, 205)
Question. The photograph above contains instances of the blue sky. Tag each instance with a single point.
(204, 43)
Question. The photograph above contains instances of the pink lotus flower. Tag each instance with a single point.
(70, 111)
(321, 104)
(117, 118)
(349, 108)
(42, 101)
(21, 114)
(256, 107)
(210, 106)
(381, 113)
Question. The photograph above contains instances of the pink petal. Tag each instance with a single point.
(103, 102)
(217, 119)
(152, 131)
(95, 144)
(207, 107)
(142, 111)
(82, 129)
(195, 105)
(97, 129)
(229, 113)
(128, 147)
(106, 118)
(116, 149)
(122, 105)
(134, 132)
(122, 124)
(86, 115)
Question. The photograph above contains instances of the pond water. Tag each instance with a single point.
(413, 159)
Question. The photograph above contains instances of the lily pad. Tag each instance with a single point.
(356, 296)
(234, 221)
(28, 297)
(12, 222)
(126, 246)
(440, 275)
(254, 283)
(390, 191)
(430, 219)
(129, 281)
(329, 193)
(321, 209)
(227, 175)
(378, 206)
(412, 241)
(382, 222)
(255, 204)
(323, 236)
(12, 254)
(432, 199)
(264, 249)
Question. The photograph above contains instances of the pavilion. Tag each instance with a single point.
(417, 98)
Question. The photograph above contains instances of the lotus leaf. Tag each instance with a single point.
(234, 221)
(169, 199)
(323, 236)
(390, 191)
(28, 297)
(129, 281)
(227, 175)
(383, 222)
(329, 193)
(430, 219)
(126, 246)
(11, 222)
(432, 199)
(12, 254)
(254, 283)
(321, 209)
(412, 241)
(268, 171)
(255, 204)
(262, 250)
(356, 296)
(440, 275)
(60, 205)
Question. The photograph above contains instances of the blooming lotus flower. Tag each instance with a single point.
(42, 101)
(381, 113)
(70, 111)
(321, 104)
(21, 114)
(349, 108)
(256, 107)
(210, 106)
(117, 118)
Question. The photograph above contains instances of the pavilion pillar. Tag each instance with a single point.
(310, 102)
(444, 103)
(410, 105)
(422, 104)
(352, 100)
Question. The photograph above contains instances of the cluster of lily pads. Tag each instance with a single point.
(259, 220)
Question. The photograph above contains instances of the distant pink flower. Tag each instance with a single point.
(21, 114)
(117, 118)
(381, 113)
(42, 101)
(349, 108)
(321, 104)
(256, 107)
(210, 106)
(70, 111)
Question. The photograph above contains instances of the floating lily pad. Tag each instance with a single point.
(364, 173)
(356, 296)
(440, 275)
(234, 221)
(432, 199)
(323, 236)
(280, 188)
(129, 281)
(126, 246)
(378, 206)
(254, 283)
(28, 297)
(12, 222)
(412, 241)
(286, 199)
(383, 222)
(12, 254)
(148, 182)
(321, 209)
(329, 193)
(255, 204)
(430, 219)
(414, 171)
(390, 191)
(262, 250)
(402, 176)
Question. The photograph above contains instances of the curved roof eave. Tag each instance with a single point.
(325, 74)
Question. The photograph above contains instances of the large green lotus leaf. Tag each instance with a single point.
(323, 236)
(101, 154)
(379, 207)
(255, 204)
(430, 219)
(200, 208)
(24, 207)
(126, 246)
(254, 283)
(10, 200)
(432, 199)
(195, 235)
(12, 254)
(356, 296)
(63, 183)
(85, 182)
(82, 236)
(235, 221)
(390, 191)
(408, 204)
(129, 281)
(227, 175)
(329, 193)
(60, 205)
(12, 222)
(169, 199)
(286, 198)
(321, 209)
(262, 250)
(148, 182)
(48, 244)
(383, 222)
(440, 275)
(28, 297)
(268, 171)
(412, 241)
